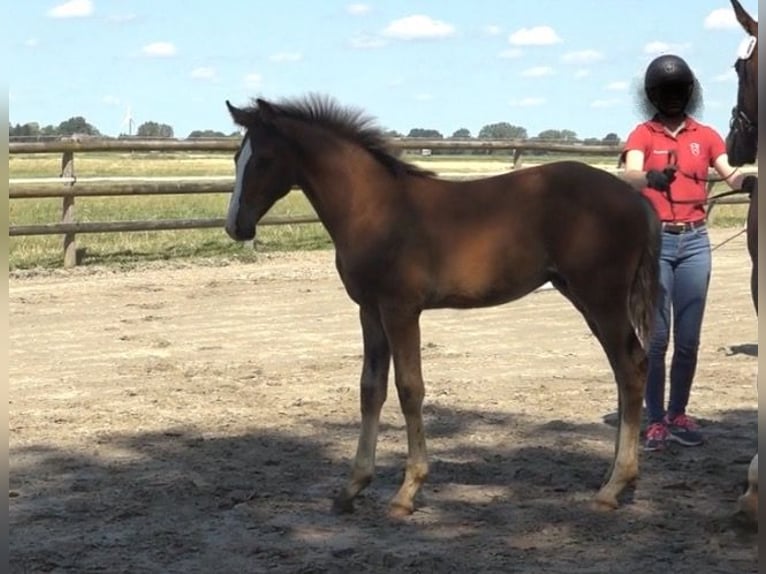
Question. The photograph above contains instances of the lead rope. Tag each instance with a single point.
(725, 241)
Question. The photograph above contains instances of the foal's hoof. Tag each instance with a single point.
(397, 510)
(343, 505)
(604, 504)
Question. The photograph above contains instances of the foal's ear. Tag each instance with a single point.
(239, 116)
(266, 111)
(747, 22)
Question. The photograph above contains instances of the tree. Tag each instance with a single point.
(154, 130)
(611, 139)
(392, 134)
(462, 133)
(76, 125)
(29, 129)
(568, 135)
(549, 135)
(206, 134)
(502, 131)
(425, 133)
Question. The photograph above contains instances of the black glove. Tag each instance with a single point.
(750, 184)
(661, 180)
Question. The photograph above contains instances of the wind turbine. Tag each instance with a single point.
(128, 120)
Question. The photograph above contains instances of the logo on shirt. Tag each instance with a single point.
(694, 147)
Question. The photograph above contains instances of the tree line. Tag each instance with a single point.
(78, 125)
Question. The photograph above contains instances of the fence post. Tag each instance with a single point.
(67, 211)
(516, 158)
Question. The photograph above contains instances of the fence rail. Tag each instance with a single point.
(33, 188)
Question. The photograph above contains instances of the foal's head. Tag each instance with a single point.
(742, 141)
(264, 169)
(282, 140)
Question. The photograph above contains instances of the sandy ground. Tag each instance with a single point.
(200, 418)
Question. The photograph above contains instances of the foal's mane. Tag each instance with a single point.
(348, 123)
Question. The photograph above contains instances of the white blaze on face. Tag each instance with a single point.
(244, 156)
(746, 47)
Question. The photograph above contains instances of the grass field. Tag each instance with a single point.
(127, 249)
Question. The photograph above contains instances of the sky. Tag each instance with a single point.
(434, 64)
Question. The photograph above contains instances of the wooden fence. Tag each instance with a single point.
(69, 227)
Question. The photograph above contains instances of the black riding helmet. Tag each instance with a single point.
(669, 84)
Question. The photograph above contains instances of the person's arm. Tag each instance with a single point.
(734, 177)
(633, 171)
(635, 175)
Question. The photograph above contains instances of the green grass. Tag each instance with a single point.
(129, 249)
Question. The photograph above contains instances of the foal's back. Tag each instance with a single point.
(492, 240)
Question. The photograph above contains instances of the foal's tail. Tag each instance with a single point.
(642, 300)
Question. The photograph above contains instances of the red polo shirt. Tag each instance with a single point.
(693, 152)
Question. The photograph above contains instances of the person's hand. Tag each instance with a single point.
(750, 184)
(661, 180)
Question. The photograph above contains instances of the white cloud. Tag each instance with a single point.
(657, 48)
(366, 42)
(618, 86)
(418, 27)
(537, 72)
(492, 30)
(721, 19)
(32, 42)
(510, 54)
(527, 102)
(286, 57)
(72, 9)
(536, 36)
(582, 57)
(607, 103)
(358, 9)
(110, 100)
(729, 76)
(253, 81)
(203, 73)
(159, 49)
(423, 97)
(582, 73)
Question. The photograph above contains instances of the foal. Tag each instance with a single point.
(407, 241)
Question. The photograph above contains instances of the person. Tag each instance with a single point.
(668, 157)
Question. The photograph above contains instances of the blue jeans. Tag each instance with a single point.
(685, 262)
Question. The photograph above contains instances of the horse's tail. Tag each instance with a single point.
(642, 300)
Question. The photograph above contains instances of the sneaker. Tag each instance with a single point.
(656, 436)
(683, 430)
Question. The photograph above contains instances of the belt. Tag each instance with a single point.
(678, 227)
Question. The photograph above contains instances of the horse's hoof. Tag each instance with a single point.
(398, 511)
(343, 505)
(604, 504)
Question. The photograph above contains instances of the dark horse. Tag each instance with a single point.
(742, 148)
(742, 141)
(407, 241)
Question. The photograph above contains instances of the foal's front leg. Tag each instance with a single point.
(403, 333)
(374, 387)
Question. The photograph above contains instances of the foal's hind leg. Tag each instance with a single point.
(629, 363)
(374, 387)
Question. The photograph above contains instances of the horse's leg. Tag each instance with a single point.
(374, 386)
(403, 333)
(752, 245)
(629, 363)
(627, 358)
